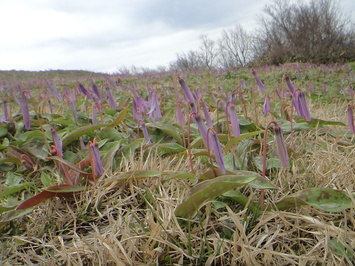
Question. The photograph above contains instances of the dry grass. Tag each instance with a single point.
(133, 223)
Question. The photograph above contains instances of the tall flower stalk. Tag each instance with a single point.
(281, 152)
(350, 116)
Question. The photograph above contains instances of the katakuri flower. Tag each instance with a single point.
(261, 86)
(266, 107)
(215, 146)
(25, 109)
(233, 118)
(96, 163)
(281, 147)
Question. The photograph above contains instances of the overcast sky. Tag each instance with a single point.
(104, 35)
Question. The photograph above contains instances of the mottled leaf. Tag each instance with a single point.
(179, 175)
(170, 147)
(168, 129)
(141, 174)
(325, 199)
(233, 140)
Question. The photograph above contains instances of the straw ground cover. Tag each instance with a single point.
(129, 215)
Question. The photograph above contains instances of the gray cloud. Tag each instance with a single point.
(104, 35)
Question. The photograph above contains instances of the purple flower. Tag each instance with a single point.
(96, 90)
(215, 145)
(302, 105)
(351, 91)
(180, 115)
(72, 105)
(232, 115)
(50, 106)
(281, 147)
(350, 116)
(83, 90)
(6, 110)
(137, 114)
(96, 163)
(266, 107)
(94, 115)
(110, 98)
(188, 94)
(290, 84)
(201, 127)
(57, 143)
(145, 132)
(261, 86)
(25, 109)
(154, 113)
(206, 113)
(55, 92)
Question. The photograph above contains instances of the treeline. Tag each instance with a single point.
(316, 31)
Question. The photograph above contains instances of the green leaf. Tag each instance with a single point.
(210, 189)
(112, 134)
(170, 147)
(286, 126)
(30, 135)
(11, 160)
(340, 249)
(110, 155)
(3, 131)
(141, 174)
(13, 179)
(120, 118)
(241, 199)
(319, 122)
(168, 129)
(13, 214)
(14, 189)
(233, 140)
(83, 130)
(127, 150)
(179, 175)
(271, 163)
(199, 141)
(325, 199)
(46, 179)
(6, 208)
(262, 183)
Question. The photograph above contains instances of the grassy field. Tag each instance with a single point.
(151, 169)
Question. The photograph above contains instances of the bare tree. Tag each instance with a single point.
(235, 47)
(187, 61)
(315, 31)
(208, 52)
